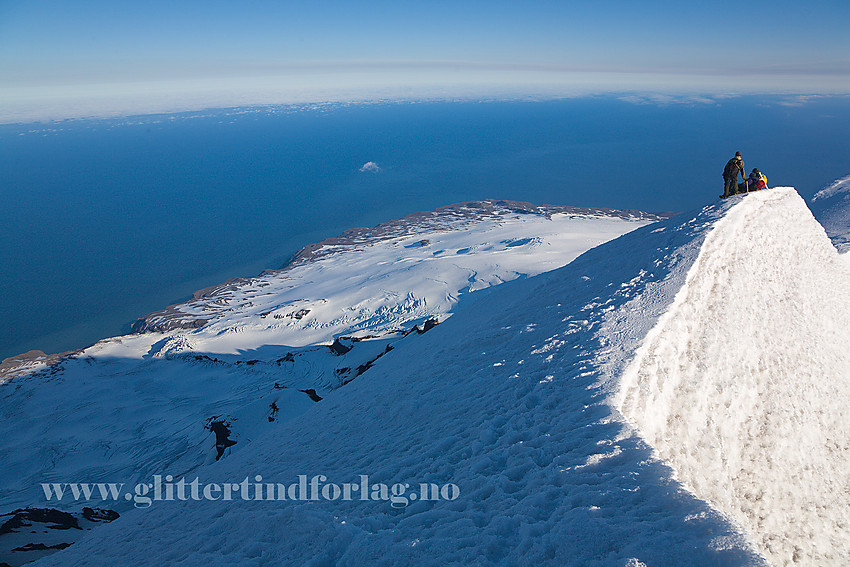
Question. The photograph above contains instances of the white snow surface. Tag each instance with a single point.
(382, 285)
(743, 385)
(670, 397)
(831, 206)
(157, 389)
(509, 400)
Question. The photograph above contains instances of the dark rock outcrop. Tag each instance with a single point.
(99, 515)
(221, 429)
(339, 348)
(35, 527)
(313, 395)
(56, 519)
(41, 547)
(426, 326)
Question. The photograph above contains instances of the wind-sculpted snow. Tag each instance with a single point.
(831, 206)
(509, 399)
(743, 385)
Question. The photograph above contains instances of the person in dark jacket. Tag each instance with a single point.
(734, 167)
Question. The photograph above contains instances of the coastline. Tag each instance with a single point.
(454, 217)
(172, 317)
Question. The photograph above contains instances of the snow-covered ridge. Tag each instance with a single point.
(838, 186)
(743, 384)
(29, 362)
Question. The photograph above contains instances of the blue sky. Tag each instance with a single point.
(123, 55)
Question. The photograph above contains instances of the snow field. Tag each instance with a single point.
(743, 384)
(831, 206)
(509, 400)
(391, 284)
(671, 397)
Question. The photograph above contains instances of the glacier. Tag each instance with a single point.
(671, 396)
(831, 206)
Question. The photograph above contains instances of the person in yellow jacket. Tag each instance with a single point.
(756, 180)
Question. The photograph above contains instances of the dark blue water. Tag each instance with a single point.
(104, 221)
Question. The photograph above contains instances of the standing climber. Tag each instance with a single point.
(730, 175)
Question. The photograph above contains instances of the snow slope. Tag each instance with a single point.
(133, 406)
(743, 384)
(670, 397)
(831, 206)
(509, 399)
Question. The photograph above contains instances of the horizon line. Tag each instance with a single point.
(126, 105)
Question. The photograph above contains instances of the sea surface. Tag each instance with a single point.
(103, 221)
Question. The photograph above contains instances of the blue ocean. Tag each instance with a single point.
(103, 221)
